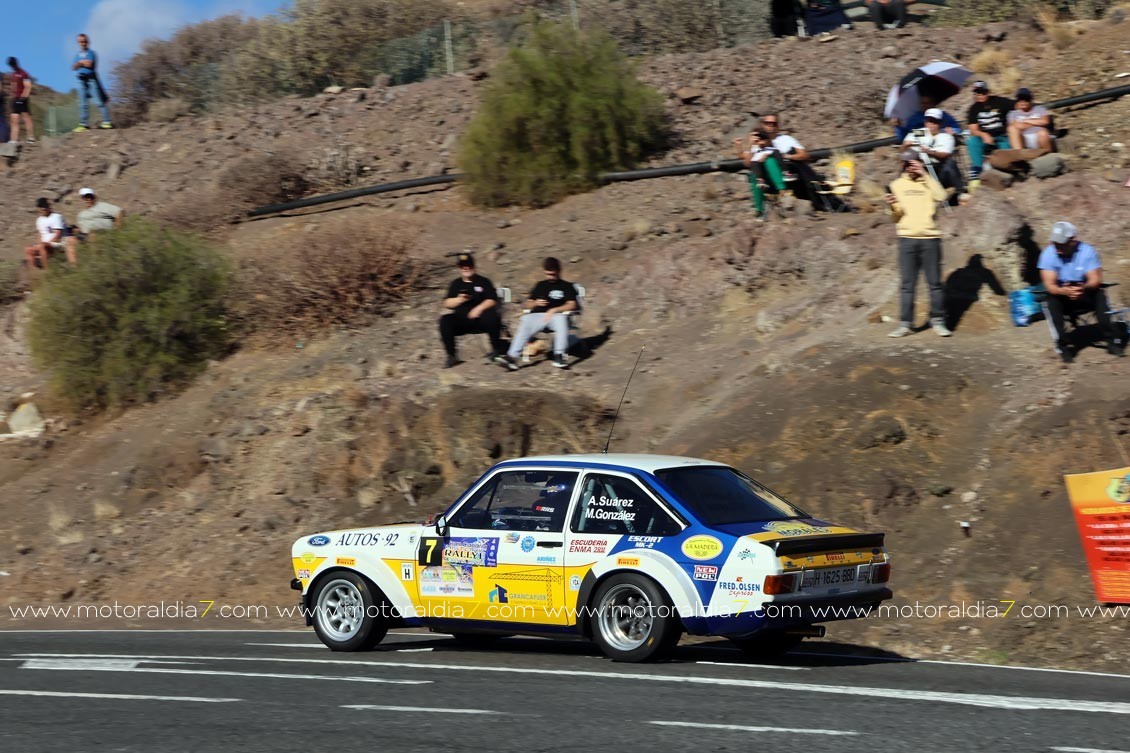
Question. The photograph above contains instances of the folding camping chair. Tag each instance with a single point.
(838, 187)
(574, 326)
(1076, 320)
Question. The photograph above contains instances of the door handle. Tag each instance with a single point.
(550, 544)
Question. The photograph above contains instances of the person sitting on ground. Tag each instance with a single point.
(888, 14)
(473, 309)
(1072, 274)
(937, 147)
(52, 236)
(918, 119)
(98, 215)
(1028, 125)
(824, 17)
(797, 160)
(766, 171)
(549, 305)
(988, 127)
(783, 15)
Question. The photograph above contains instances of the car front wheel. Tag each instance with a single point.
(348, 615)
(634, 620)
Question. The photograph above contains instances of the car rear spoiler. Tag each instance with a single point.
(824, 542)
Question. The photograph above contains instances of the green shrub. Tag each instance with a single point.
(140, 315)
(557, 113)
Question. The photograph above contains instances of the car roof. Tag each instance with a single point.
(646, 463)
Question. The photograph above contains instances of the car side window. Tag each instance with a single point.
(618, 505)
(519, 501)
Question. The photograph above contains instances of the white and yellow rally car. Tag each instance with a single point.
(628, 550)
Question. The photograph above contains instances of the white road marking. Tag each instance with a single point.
(897, 660)
(117, 696)
(91, 664)
(412, 650)
(367, 707)
(1007, 702)
(741, 728)
(753, 666)
(1086, 750)
(91, 667)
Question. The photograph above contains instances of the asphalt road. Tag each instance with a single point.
(272, 691)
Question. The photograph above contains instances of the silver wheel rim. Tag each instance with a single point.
(341, 610)
(627, 617)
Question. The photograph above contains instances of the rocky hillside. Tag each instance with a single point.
(765, 346)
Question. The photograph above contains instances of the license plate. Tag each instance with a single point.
(828, 576)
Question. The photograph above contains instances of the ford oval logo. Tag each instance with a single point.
(318, 540)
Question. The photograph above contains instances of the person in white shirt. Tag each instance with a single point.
(52, 237)
(936, 148)
(796, 159)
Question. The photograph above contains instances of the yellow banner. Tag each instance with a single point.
(1101, 502)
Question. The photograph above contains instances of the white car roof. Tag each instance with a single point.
(646, 463)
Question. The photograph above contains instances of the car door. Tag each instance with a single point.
(502, 557)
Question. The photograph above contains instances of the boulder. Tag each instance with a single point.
(26, 420)
(689, 94)
(1049, 165)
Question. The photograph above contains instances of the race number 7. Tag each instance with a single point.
(431, 551)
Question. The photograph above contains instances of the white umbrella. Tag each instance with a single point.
(937, 79)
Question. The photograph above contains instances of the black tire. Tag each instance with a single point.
(633, 619)
(349, 615)
(768, 645)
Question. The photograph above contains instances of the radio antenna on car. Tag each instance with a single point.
(617, 413)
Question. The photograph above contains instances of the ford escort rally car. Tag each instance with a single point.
(630, 551)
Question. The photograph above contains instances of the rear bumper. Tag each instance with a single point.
(801, 608)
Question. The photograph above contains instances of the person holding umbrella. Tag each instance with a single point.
(922, 89)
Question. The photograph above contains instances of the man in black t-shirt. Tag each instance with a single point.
(473, 309)
(988, 126)
(549, 303)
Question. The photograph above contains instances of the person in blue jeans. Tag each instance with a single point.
(86, 64)
(988, 127)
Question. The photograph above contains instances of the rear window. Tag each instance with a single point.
(719, 496)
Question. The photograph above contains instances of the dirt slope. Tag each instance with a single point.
(762, 349)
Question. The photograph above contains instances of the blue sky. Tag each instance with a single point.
(41, 33)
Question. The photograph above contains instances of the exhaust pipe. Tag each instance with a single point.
(809, 631)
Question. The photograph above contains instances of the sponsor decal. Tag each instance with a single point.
(309, 558)
(318, 540)
(498, 595)
(702, 547)
(610, 508)
(628, 561)
(303, 574)
(528, 544)
(368, 539)
(544, 508)
(738, 587)
(1119, 489)
(512, 538)
(452, 581)
(747, 554)
(406, 571)
(793, 528)
(835, 556)
(547, 559)
(705, 572)
(588, 546)
(645, 542)
(472, 551)
(575, 583)
(347, 561)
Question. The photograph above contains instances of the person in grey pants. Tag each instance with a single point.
(913, 199)
(549, 304)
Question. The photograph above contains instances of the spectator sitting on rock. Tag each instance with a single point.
(888, 14)
(98, 215)
(937, 147)
(824, 17)
(988, 127)
(52, 237)
(1028, 126)
(473, 309)
(1072, 274)
(549, 303)
(766, 173)
(783, 15)
(796, 158)
(918, 119)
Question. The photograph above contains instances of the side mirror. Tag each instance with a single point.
(441, 526)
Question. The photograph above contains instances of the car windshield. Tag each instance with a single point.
(719, 496)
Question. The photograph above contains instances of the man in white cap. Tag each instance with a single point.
(98, 215)
(937, 147)
(1072, 274)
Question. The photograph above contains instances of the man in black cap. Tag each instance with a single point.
(988, 125)
(549, 305)
(473, 309)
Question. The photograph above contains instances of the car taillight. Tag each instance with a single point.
(779, 584)
(881, 573)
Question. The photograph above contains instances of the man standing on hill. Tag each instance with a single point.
(472, 305)
(20, 83)
(913, 199)
(86, 64)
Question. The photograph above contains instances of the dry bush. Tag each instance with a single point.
(997, 66)
(167, 110)
(869, 196)
(342, 274)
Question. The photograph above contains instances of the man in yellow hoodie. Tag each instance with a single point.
(913, 199)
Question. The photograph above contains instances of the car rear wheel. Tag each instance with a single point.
(634, 620)
(348, 615)
(768, 645)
